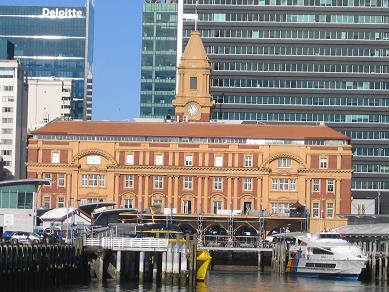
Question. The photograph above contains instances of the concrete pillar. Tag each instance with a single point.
(259, 261)
(164, 266)
(176, 262)
(155, 266)
(169, 260)
(184, 264)
(118, 264)
(141, 265)
(100, 274)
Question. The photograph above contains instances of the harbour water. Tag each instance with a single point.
(237, 282)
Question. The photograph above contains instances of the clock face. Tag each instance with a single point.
(192, 109)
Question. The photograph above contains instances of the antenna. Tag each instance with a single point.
(197, 16)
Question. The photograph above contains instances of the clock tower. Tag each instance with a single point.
(193, 101)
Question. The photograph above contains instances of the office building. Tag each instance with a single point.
(48, 100)
(300, 61)
(159, 43)
(13, 118)
(54, 42)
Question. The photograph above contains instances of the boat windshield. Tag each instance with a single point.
(330, 235)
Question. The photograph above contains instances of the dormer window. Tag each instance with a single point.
(284, 163)
(93, 159)
(193, 83)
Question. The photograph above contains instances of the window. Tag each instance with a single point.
(315, 210)
(247, 184)
(280, 208)
(84, 180)
(158, 182)
(8, 98)
(274, 184)
(7, 131)
(61, 202)
(93, 159)
(7, 163)
(7, 109)
(157, 203)
(217, 205)
(330, 210)
(55, 157)
(323, 162)
(6, 152)
(217, 183)
(128, 203)
(292, 184)
(284, 163)
(101, 180)
(188, 182)
(219, 161)
(330, 185)
(88, 201)
(46, 202)
(129, 181)
(6, 141)
(8, 88)
(316, 185)
(158, 159)
(130, 159)
(193, 83)
(61, 180)
(248, 161)
(93, 180)
(187, 206)
(47, 176)
(7, 120)
(188, 160)
(247, 207)
(283, 184)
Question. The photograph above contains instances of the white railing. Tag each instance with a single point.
(127, 243)
(93, 242)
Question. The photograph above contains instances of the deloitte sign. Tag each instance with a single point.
(67, 12)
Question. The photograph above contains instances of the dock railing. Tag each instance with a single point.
(123, 243)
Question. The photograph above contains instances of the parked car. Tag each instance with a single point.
(7, 235)
(25, 237)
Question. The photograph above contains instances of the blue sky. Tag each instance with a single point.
(118, 27)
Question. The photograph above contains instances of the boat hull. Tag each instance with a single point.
(327, 268)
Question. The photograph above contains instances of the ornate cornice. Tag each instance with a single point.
(51, 165)
(325, 171)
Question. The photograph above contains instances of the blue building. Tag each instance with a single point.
(55, 42)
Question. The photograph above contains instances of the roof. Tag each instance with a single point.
(194, 49)
(200, 130)
(57, 213)
(18, 182)
(379, 229)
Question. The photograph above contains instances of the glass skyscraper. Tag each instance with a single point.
(159, 47)
(304, 61)
(54, 42)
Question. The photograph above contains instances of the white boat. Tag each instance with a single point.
(325, 254)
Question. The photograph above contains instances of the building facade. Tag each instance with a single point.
(159, 58)
(48, 100)
(194, 167)
(13, 118)
(303, 61)
(55, 42)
